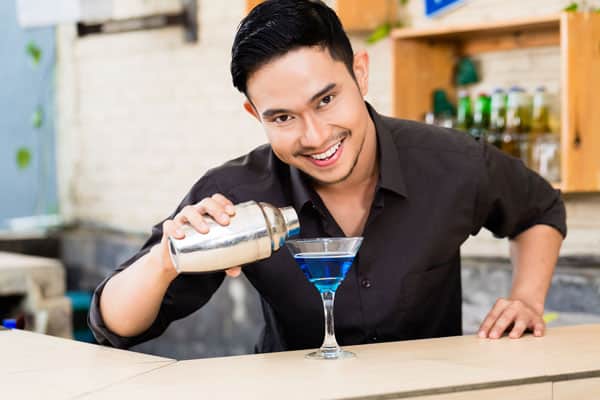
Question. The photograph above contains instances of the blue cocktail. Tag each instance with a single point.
(325, 262)
(325, 270)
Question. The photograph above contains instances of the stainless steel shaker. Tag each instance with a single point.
(253, 233)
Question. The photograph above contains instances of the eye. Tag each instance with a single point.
(326, 100)
(281, 119)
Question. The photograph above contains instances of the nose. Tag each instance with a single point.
(316, 132)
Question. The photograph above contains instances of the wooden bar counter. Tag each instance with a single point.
(564, 364)
(35, 366)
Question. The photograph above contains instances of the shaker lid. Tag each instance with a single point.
(292, 224)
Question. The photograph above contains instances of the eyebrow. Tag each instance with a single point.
(273, 111)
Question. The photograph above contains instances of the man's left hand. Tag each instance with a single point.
(515, 314)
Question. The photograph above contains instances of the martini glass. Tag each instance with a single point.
(325, 262)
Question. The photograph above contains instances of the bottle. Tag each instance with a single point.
(464, 117)
(14, 323)
(514, 122)
(9, 323)
(253, 233)
(540, 122)
(430, 118)
(497, 117)
(443, 109)
(481, 116)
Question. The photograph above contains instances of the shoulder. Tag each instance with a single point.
(256, 169)
(418, 137)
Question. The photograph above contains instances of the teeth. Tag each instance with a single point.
(327, 153)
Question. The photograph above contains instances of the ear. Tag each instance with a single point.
(251, 110)
(361, 71)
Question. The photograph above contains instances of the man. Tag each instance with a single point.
(415, 193)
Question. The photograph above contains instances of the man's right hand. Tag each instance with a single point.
(219, 207)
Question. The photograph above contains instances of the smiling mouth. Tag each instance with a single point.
(327, 154)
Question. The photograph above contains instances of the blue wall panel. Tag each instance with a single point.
(23, 87)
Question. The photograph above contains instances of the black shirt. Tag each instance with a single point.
(436, 187)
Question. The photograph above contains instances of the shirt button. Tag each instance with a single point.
(365, 283)
(374, 339)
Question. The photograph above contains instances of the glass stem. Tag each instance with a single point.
(329, 343)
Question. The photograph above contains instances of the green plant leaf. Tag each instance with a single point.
(52, 208)
(380, 33)
(571, 7)
(23, 157)
(35, 53)
(37, 118)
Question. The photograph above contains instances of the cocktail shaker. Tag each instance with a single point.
(254, 232)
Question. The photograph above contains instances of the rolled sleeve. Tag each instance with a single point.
(511, 198)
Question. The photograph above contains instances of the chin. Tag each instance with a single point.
(332, 179)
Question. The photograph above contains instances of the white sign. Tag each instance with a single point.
(37, 13)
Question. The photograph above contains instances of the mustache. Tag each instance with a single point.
(335, 138)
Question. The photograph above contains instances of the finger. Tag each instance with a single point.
(506, 318)
(233, 272)
(539, 328)
(492, 316)
(215, 209)
(518, 329)
(171, 228)
(181, 218)
(194, 218)
(225, 202)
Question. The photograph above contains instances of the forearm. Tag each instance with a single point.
(534, 254)
(131, 299)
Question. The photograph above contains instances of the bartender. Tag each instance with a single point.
(415, 192)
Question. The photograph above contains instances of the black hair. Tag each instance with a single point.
(276, 27)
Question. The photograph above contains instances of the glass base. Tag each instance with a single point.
(330, 355)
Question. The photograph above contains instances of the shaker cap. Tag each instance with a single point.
(292, 224)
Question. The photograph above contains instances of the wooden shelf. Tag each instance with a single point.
(550, 22)
(357, 15)
(479, 38)
(424, 59)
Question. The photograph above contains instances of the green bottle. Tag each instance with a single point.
(497, 118)
(464, 116)
(481, 116)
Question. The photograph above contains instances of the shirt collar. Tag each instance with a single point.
(301, 191)
(390, 175)
(390, 168)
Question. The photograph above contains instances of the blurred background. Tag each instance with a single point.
(111, 110)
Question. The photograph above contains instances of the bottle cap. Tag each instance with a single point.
(9, 323)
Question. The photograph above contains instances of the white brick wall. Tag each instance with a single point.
(143, 115)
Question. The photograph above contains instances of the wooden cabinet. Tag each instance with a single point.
(250, 4)
(365, 15)
(424, 59)
(580, 389)
(357, 15)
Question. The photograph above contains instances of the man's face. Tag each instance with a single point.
(313, 111)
